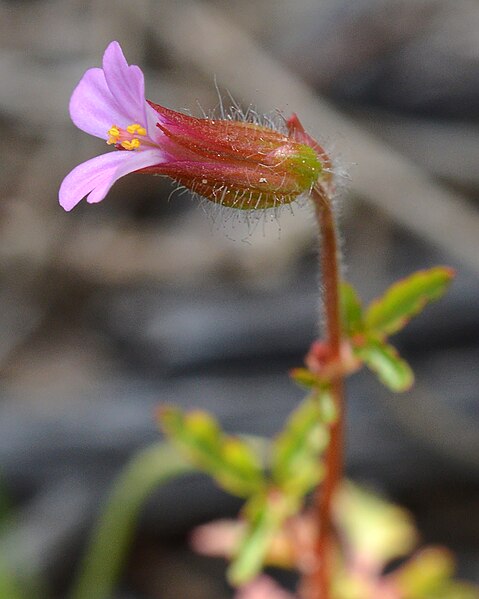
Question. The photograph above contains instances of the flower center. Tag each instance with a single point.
(126, 138)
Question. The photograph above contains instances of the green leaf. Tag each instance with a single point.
(425, 572)
(264, 515)
(296, 465)
(406, 298)
(384, 360)
(327, 409)
(351, 310)
(428, 575)
(113, 533)
(305, 378)
(229, 460)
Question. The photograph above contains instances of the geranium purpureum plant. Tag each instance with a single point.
(297, 513)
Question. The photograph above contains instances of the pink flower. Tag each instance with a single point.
(238, 164)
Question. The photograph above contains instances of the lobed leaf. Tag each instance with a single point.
(305, 378)
(229, 460)
(384, 360)
(351, 310)
(428, 574)
(264, 514)
(425, 572)
(296, 466)
(406, 298)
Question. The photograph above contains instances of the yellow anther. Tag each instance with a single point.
(124, 138)
(114, 131)
(131, 145)
(136, 128)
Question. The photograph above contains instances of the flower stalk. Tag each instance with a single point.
(317, 581)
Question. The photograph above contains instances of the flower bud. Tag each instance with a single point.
(237, 164)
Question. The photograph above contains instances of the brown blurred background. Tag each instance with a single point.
(111, 309)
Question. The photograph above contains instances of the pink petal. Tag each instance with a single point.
(92, 107)
(111, 96)
(135, 162)
(95, 177)
(126, 83)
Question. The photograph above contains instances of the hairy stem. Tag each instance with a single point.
(317, 583)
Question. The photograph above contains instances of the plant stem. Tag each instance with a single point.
(112, 535)
(317, 584)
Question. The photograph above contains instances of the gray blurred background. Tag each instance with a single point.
(108, 311)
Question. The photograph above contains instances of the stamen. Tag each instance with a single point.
(131, 145)
(124, 137)
(136, 128)
(114, 133)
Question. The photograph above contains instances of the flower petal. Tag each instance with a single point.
(92, 107)
(126, 83)
(135, 162)
(96, 176)
(114, 95)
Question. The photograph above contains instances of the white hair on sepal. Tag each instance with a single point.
(235, 112)
(243, 224)
(237, 224)
(236, 220)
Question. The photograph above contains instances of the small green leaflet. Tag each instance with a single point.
(264, 515)
(384, 360)
(304, 377)
(351, 310)
(296, 465)
(406, 298)
(228, 459)
(387, 315)
(429, 573)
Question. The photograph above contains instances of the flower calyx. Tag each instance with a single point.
(322, 367)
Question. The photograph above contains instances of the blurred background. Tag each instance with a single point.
(111, 309)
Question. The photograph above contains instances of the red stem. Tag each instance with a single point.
(317, 583)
